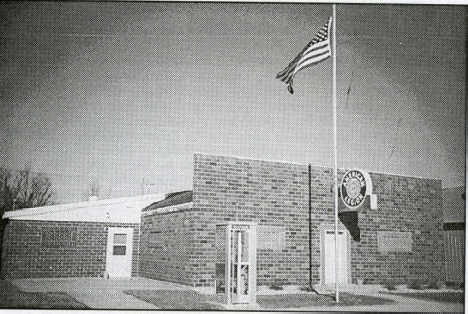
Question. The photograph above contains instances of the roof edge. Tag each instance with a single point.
(33, 211)
(168, 209)
(319, 166)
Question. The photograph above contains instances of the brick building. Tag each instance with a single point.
(402, 238)
(88, 239)
(278, 214)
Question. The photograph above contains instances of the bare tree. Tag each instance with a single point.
(24, 189)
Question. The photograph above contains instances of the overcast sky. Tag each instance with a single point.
(120, 92)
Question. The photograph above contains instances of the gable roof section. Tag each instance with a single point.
(122, 210)
(172, 199)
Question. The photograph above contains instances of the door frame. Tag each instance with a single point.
(109, 249)
(323, 230)
(251, 231)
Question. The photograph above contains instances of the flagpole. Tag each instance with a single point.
(335, 174)
(316, 51)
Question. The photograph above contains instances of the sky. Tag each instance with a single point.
(120, 92)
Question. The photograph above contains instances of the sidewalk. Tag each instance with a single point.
(99, 293)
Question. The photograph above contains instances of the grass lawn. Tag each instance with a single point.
(13, 298)
(306, 300)
(450, 297)
(191, 300)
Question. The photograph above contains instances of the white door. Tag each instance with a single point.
(329, 262)
(119, 252)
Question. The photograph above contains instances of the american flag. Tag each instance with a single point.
(315, 51)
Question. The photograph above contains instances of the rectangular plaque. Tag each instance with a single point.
(271, 238)
(394, 241)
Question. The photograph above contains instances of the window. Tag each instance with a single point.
(120, 244)
(119, 250)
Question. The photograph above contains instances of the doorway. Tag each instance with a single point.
(236, 266)
(328, 260)
(119, 252)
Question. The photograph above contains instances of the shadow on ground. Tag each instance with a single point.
(177, 299)
(13, 298)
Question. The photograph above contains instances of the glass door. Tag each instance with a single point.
(240, 262)
(236, 241)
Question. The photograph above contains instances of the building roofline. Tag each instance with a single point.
(168, 209)
(131, 202)
(256, 159)
(321, 166)
(171, 199)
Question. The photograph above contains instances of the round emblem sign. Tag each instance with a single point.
(354, 188)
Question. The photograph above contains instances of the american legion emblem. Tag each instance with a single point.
(355, 185)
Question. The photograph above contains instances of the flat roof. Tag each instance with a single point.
(124, 209)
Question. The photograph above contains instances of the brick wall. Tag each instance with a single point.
(26, 255)
(268, 193)
(167, 255)
(405, 204)
(276, 194)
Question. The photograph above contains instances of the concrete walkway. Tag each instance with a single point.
(99, 293)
